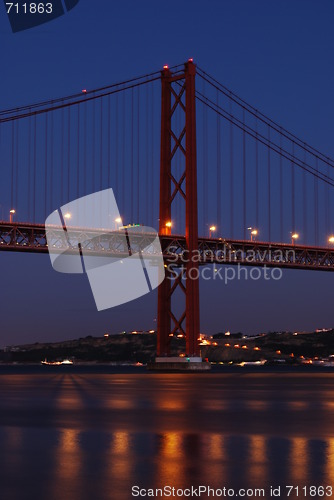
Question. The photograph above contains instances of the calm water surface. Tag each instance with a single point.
(76, 435)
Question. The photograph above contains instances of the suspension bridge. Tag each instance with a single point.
(223, 182)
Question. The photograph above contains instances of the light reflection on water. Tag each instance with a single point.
(92, 436)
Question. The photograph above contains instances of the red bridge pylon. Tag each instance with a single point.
(178, 96)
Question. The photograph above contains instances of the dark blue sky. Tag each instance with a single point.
(277, 55)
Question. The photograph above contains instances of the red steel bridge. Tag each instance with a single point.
(234, 186)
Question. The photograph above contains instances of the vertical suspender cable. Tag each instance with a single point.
(304, 203)
(256, 175)
(62, 153)
(316, 205)
(269, 187)
(244, 174)
(34, 175)
(231, 174)
(101, 143)
(78, 153)
(68, 153)
(46, 150)
(327, 201)
(132, 155)
(123, 151)
(17, 201)
(281, 188)
(51, 161)
(147, 177)
(219, 173)
(138, 155)
(153, 187)
(116, 145)
(93, 147)
(109, 141)
(29, 167)
(205, 172)
(12, 167)
(293, 189)
(85, 150)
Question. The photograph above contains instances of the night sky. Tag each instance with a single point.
(277, 55)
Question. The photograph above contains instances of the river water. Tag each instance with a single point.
(73, 434)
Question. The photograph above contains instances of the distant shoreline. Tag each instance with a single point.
(114, 369)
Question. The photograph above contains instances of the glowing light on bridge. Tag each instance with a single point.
(212, 229)
(253, 232)
(331, 239)
(11, 214)
(294, 237)
(168, 227)
(118, 222)
(67, 216)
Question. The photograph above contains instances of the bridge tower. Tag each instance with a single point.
(178, 96)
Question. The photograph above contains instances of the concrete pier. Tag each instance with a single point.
(177, 364)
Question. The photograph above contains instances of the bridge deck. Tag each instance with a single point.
(25, 237)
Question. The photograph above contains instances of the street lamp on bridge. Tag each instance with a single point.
(11, 215)
(212, 229)
(168, 228)
(118, 222)
(331, 239)
(253, 233)
(294, 237)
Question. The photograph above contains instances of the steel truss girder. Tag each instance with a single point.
(247, 253)
(32, 238)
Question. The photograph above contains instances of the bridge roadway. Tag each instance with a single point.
(27, 237)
